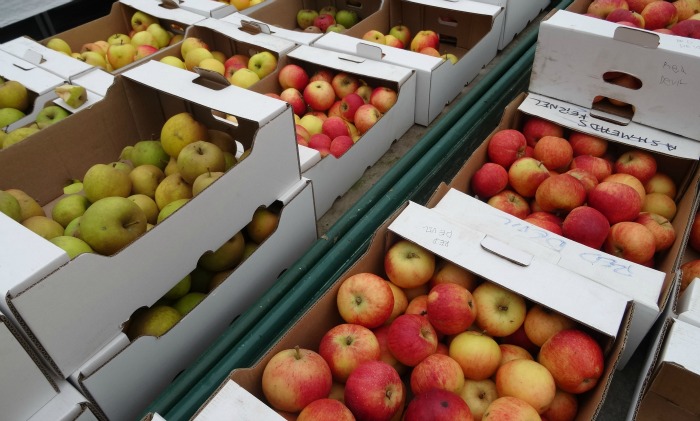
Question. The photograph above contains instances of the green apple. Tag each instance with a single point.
(68, 208)
(9, 116)
(145, 179)
(28, 205)
(186, 303)
(94, 58)
(204, 180)
(180, 130)
(71, 245)
(173, 61)
(231, 160)
(73, 95)
(336, 27)
(140, 21)
(43, 226)
(227, 256)
(305, 18)
(105, 180)
(120, 55)
(170, 208)
(118, 39)
(73, 186)
(190, 43)
(180, 289)
(244, 78)
(10, 206)
(148, 205)
(57, 44)
(13, 94)
(159, 33)
(111, 223)
(122, 165)
(198, 158)
(154, 321)
(263, 224)
(172, 188)
(195, 56)
(347, 18)
(262, 63)
(50, 115)
(18, 135)
(73, 228)
(144, 38)
(250, 248)
(146, 152)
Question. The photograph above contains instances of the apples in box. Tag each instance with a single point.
(332, 174)
(518, 15)
(467, 30)
(284, 17)
(153, 362)
(72, 309)
(600, 312)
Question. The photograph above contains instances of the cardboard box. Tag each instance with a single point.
(472, 36)
(688, 305)
(331, 176)
(610, 314)
(40, 86)
(672, 376)
(279, 17)
(68, 405)
(518, 15)
(207, 8)
(152, 363)
(72, 309)
(663, 63)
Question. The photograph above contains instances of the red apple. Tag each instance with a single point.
(437, 405)
(347, 345)
(638, 163)
(638, 5)
(564, 407)
(374, 391)
(408, 265)
(510, 352)
(660, 227)
(319, 95)
(365, 117)
(585, 144)
(340, 145)
(541, 323)
(392, 41)
(478, 394)
(344, 83)
(437, 371)
(334, 127)
(499, 312)
(235, 62)
(510, 408)
(689, 28)
(349, 106)
(535, 128)
(601, 8)
(293, 76)
(575, 360)
(411, 339)
(322, 74)
(374, 36)
(418, 305)
(630, 180)
(689, 271)
(423, 39)
(623, 16)
(430, 51)
(545, 225)
(519, 338)
(325, 409)
(554, 152)
(383, 98)
(587, 179)
(618, 202)
(321, 142)
(489, 180)
(659, 14)
(597, 166)
(526, 174)
(511, 203)
(382, 335)
(527, 380)
(505, 146)
(448, 272)
(478, 354)
(546, 216)
(323, 21)
(586, 225)
(364, 91)
(560, 194)
(630, 241)
(365, 299)
(295, 99)
(450, 308)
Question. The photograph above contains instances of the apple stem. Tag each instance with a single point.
(127, 225)
(297, 352)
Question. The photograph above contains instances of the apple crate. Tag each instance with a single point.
(73, 308)
(108, 378)
(608, 321)
(468, 30)
(331, 176)
(518, 15)
(279, 17)
(207, 8)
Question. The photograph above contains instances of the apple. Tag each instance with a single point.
(41, 225)
(437, 371)
(638, 163)
(511, 203)
(226, 256)
(489, 180)
(365, 117)
(340, 145)
(180, 130)
(294, 98)
(146, 152)
(564, 407)
(118, 39)
(71, 245)
(322, 143)
(173, 61)
(325, 409)
(418, 305)
(408, 265)
(689, 28)
(144, 38)
(322, 74)
(541, 323)
(159, 33)
(448, 272)
(506, 146)
(319, 95)
(430, 51)
(392, 41)
(73, 95)
(170, 208)
(624, 16)
(631, 241)
(120, 55)
(68, 208)
(411, 338)
(105, 180)
(554, 152)
(305, 18)
(323, 21)
(526, 174)
(382, 335)
(618, 202)
(28, 206)
(292, 76)
(660, 204)
(586, 225)
(450, 308)
(173, 187)
(198, 158)
(510, 352)
(659, 14)
(586, 144)
(437, 405)
(111, 223)
(204, 180)
(499, 312)
(147, 204)
(535, 128)
(365, 299)
(262, 63)
(602, 8)
(154, 321)
(99, 60)
(9, 205)
(262, 225)
(235, 62)
(402, 33)
(574, 359)
(638, 5)
(293, 378)
(374, 36)
(244, 78)
(346, 346)
(212, 64)
(478, 354)
(334, 127)
(311, 123)
(58, 44)
(423, 39)
(347, 18)
(478, 394)
(527, 380)
(374, 391)
(10, 115)
(661, 183)
(509, 408)
(560, 193)
(49, 115)
(383, 98)
(689, 271)
(349, 106)
(599, 167)
(587, 179)
(145, 179)
(140, 21)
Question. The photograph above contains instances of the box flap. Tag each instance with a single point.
(261, 39)
(300, 37)
(156, 9)
(207, 8)
(32, 77)
(467, 6)
(232, 398)
(60, 64)
(681, 348)
(688, 305)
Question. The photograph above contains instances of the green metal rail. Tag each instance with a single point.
(436, 157)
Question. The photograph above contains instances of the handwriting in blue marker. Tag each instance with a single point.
(605, 261)
(533, 232)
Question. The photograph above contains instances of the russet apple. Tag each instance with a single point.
(375, 391)
(574, 359)
(411, 338)
(408, 265)
(499, 312)
(198, 158)
(511, 203)
(450, 308)
(437, 405)
(365, 299)
(346, 346)
(527, 380)
(145, 179)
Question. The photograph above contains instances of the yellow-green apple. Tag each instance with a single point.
(13, 94)
(527, 380)
(587, 179)
(450, 308)
(374, 36)
(402, 33)
(586, 225)
(535, 128)
(42, 225)
(170, 208)
(323, 21)
(340, 145)
(71, 245)
(180, 130)
(365, 299)
(541, 323)
(586, 144)
(153, 321)
(346, 346)
(145, 179)
(241, 4)
(212, 64)
(660, 204)
(554, 152)
(97, 59)
(58, 44)
(499, 312)
(601, 8)
(204, 180)
(631, 241)
(173, 61)
(661, 183)
(437, 371)
(325, 75)
(49, 115)
(506, 146)
(564, 407)
(448, 272)
(295, 99)
(325, 409)
(148, 205)
(418, 305)
(560, 193)
(477, 353)
(120, 55)
(319, 95)
(73, 228)
(689, 28)
(510, 352)
(382, 335)
(618, 202)
(104, 180)
(659, 14)
(223, 140)
(195, 56)
(190, 43)
(694, 235)
(73, 95)
(510, 408)
(411, 338)
(118, 39)
(305, 18)
(437, 405)
(28, 206)
(159, 33)
(262, 225)
(311, 123)
(392, 41)
(375, 391)
(140, 21)
(364, 91)
(321, 142)
(660, 227)
(626, 16)
(383, 98)
(144, 38)
(334, 127)
(365, 117)
(173, 187)
(526, 174)
(198, 158)
(293, 378)
(188, 302)
(10, 115)
(349, 105)
(244, 78)
(347, 18)
(69, 207)
(574, 359)
(689, 271)
(111, 223)
(638, 163)
(510, 202)
(17, 135)
(226, 256)
(262, 63)
(478, 394)
(328, 10)
(146, 152)
(408, 265)
(292, 76)
(344, 83)
(423, 39)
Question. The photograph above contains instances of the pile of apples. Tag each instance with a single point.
(400, 36)
(332, 109)
(145, 38)
(327, 19)
(428, 340)
(691, 268)
(239, 69)
(679, 17)
(574, 185)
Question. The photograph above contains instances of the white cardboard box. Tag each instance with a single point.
(152, 363)
(207, 8)
(475, 31)
(67, 405)
(518, 15)
(72, 309)
(688, 304)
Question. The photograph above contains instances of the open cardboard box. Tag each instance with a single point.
(68, 405)
(279, 17)
(207, 8)
(608, 320)
(687, 305)
(152, 363)
(470, 30)
(332, 176)
(518, 15)
(72, 309)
